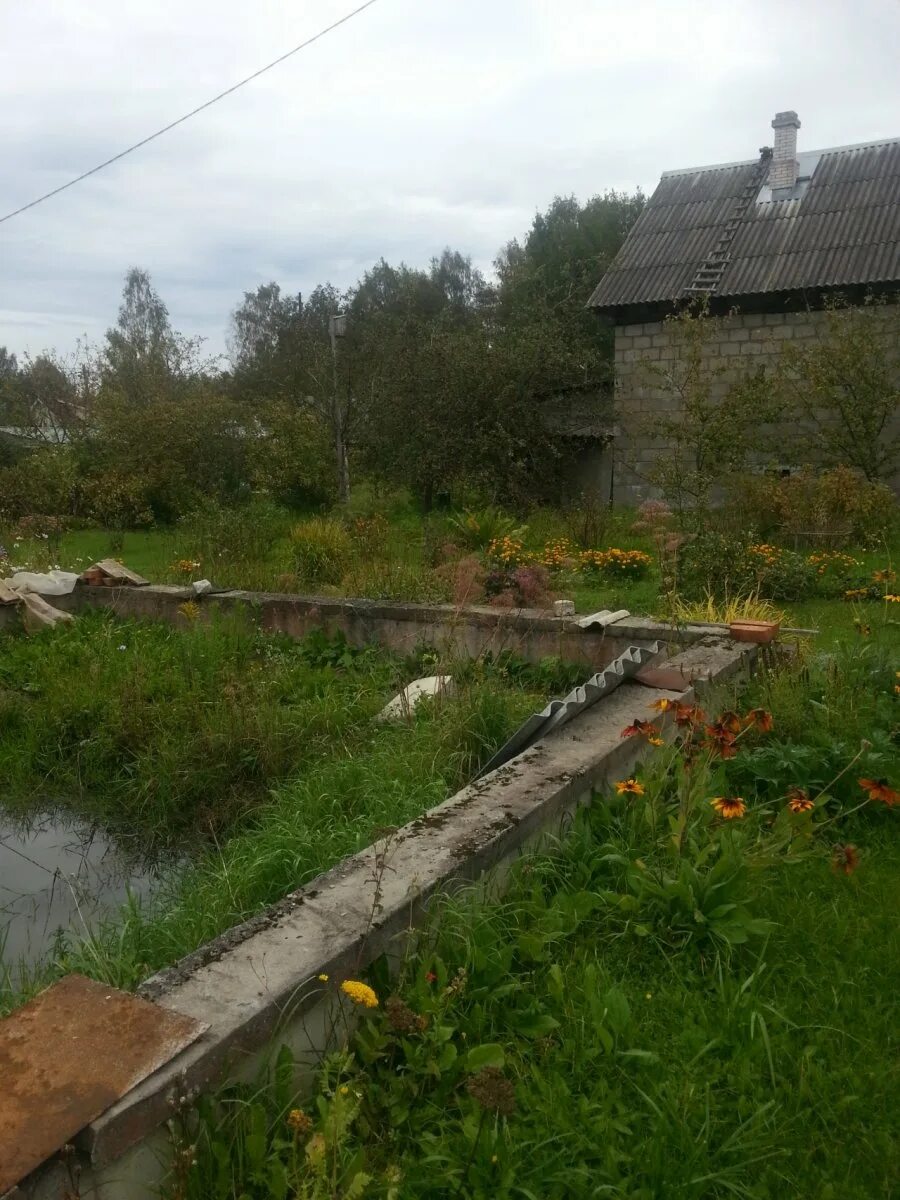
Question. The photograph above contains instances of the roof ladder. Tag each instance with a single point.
(709, 273)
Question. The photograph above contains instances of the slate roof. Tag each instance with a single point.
(842, 228)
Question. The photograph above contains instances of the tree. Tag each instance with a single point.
(144, 356)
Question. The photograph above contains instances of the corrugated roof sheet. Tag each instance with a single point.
(845, 229)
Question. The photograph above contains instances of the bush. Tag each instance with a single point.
(476, 529)
(835, 507)
(116, 501)
(43, 481)
(715, 564)
(322, 550)
(781, 574)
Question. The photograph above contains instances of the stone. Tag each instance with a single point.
(201, 587)
(404, 703)
(564, 608)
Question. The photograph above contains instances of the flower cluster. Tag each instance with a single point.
(186, 566)
(765, 554)
(832, 560)
(359, 993)
(624, 564)
(557, 554)
(508, 551)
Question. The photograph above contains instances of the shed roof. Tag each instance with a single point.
(842, 228)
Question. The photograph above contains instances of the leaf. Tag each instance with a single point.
(642, 1055)
(488, 1055)
(538, 1025)
(618, 1013)
(447, 1057)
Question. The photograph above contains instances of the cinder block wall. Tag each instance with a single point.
(745, 341)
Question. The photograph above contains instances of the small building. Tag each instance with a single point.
(765, 242)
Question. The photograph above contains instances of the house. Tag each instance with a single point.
(766, 240)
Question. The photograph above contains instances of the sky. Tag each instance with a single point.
(419, 124)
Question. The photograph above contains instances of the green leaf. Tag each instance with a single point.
(488, 1055)
(618, 1013)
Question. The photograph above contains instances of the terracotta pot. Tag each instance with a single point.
(760, 632)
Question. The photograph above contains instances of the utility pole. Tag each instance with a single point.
(337, 328)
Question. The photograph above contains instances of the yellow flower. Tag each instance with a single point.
(323, 978)
(359, 993)
(655, 741)
(729, 810)
(298, 1121)
(629, 787)
(344, 1090)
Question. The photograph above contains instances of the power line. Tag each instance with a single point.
(187, 116)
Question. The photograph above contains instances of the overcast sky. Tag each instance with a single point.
(419, 124)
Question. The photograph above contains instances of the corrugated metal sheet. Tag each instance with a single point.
(845, 229)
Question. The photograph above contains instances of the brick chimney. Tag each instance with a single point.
(783, 171)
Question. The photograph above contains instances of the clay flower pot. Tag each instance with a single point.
(760, 632)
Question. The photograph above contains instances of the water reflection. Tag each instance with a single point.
(57, 875)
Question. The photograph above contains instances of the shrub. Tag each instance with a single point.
(370, 534)
(43, 481)
(519, 587)
(465, 578)
(781, 574)
(322, 550)
(713, 563)
(116, 501)
(559, 554)
(477, 528)
(836, 506)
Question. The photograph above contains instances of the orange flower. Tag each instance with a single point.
(688, 714)
(640, 729)
(729, 810)
(878, 789)
(845, 858)
(655, 741)
(731, 721)
(799, 801)
(761, 719)
(722, 738)
(629, 787)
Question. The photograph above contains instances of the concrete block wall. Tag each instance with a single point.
(745, 342)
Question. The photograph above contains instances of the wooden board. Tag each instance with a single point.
(69, 1054)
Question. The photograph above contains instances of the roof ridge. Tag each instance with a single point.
(747, 162)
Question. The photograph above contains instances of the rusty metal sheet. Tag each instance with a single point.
(69, 1054)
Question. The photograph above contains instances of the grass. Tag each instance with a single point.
(254, 756)
(638, 1017)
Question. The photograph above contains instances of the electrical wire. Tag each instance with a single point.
(187, 116)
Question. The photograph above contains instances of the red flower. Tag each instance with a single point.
(640, 729)
(845, 858)
(430, 977)
(878, 789)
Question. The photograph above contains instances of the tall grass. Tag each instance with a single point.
(638, 1061)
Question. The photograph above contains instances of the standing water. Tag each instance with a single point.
(58, 876)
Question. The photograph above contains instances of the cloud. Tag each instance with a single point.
(415, 126)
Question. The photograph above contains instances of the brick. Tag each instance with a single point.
(760, 334)
(624, 341)
(631, 330)
(660, 339)
(642, 342)
(781, 332)
(730, 348)
(775, 318)
(752, 348)
(739, 335)
(753, 320)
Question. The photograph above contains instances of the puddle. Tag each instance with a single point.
(58, 875)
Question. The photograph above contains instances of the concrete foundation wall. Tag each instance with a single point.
(404, 628)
